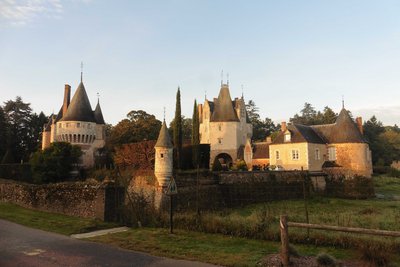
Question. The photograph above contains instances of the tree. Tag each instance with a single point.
(187, 125)
(328, 116)
(140, 155)
(178, 130)
(138, 126)
(372, 130)
(55, 163)
(19, 119)
(261, 128)
(310, 116)
(36, 129)
(195, 135)
(3, 133)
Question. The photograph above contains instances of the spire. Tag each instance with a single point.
(222, 77)
(81, 71)
(227, 78)
(242, 92)
(98, 114)
(163, 138)
(342, 101)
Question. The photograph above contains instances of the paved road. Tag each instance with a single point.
(23, 246)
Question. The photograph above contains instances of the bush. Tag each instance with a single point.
(17, 172)
(376, 254)
(54, 164)
(326, 260)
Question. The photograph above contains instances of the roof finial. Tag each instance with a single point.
(81, 70)
(98, 97)
(222, 77)
(242, 92)
(205, 94)
(342, 101)
(164, 114)
(227, 78)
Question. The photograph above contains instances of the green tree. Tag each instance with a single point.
(55, 163)
(178, 130)
(187, 124)
(372, 130)
(3, 133)
(261, 128)
(36, 128)
(310, 116)
(328, 116)
(195, 135)
(19, 118)
(138, 126)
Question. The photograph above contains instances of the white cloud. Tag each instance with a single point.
(22, 12)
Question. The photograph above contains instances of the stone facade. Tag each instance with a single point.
(225, 126)
(78, 124)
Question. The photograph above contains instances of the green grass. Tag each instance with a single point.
(212, 248)
(52, 222)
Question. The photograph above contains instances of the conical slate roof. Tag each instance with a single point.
(98, 115)
(163, 138)
(79, 108)
(223, 108)
(344, 130)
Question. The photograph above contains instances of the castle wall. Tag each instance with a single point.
(45, 139)
(163, 165)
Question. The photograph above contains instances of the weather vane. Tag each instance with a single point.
(164, 113)
(81, 70)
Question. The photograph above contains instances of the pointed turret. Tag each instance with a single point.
(223, 108)
(98, 114)
(79, 108)
(164, 157)
(164, 139)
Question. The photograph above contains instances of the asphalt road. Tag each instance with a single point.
(25, 247)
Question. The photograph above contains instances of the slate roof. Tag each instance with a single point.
(300, 134)
(261, 150)
(163, 138)
(79, 108)
(344, 130)
(98, 114)
(224, 107)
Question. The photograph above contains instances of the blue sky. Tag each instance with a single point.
(136, 54)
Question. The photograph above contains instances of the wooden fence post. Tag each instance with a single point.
(284, 240)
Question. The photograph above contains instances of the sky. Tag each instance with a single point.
(135, 54)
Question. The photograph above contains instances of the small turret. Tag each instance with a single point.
(164, 157)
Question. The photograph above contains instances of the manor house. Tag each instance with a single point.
(78, 124)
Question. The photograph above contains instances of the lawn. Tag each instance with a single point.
(52, 222)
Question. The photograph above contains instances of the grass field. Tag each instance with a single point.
(243, 236)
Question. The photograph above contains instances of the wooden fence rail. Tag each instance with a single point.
(284, 226)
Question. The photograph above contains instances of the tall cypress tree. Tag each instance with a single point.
(178, 130)
(195, 135)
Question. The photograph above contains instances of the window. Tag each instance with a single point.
(295, 154)
(219, 127)
(219, 140)
(78, 125)
(287, 137)
(317, 154)
(161, 155)
(332, 153)
(277, 156)
(66, 125)
(59, 125)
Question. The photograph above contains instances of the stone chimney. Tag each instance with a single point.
(283, 126)
(360, 124)
(67, 98)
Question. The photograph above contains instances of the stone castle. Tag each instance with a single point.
(78, 124)
(225, 126)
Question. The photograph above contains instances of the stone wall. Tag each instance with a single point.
(215, 190)
(82, 199)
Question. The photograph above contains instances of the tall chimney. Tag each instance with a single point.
(283, 126)
(67, 97)
(360, 124)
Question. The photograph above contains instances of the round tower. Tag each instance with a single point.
(164, 157)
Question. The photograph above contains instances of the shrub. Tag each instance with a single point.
(374, 253)
(326, 260)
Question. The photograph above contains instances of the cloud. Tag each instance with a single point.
(22, 12)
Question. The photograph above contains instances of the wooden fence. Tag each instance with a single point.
(284, 226)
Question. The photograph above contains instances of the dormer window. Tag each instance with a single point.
(288, 136)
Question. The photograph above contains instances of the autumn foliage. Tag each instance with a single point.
(139, 155)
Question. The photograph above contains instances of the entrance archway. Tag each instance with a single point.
(224, 161)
